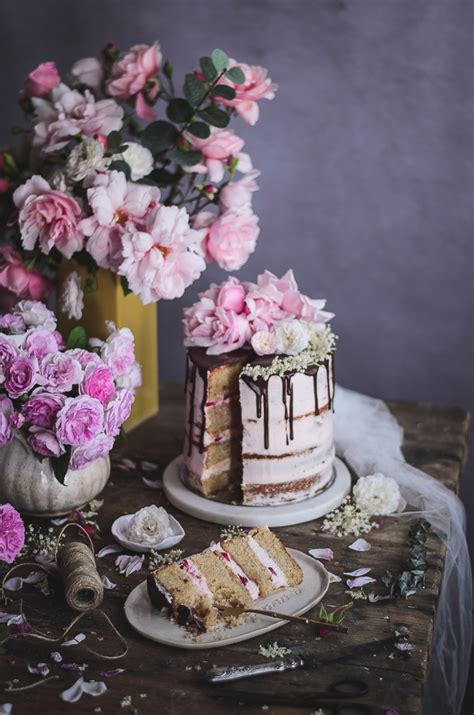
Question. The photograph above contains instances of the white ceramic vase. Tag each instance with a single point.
(31, 487)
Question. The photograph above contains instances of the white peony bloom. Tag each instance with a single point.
(377, 494)
(264, 342)
(139, 159)
(88, 71)
(292, 336)
(71, 300)
(149, 525)
(85, 159)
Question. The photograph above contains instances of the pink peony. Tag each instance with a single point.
(70, 113)
(21, 281)
(135, 75)
(6, 420)
(42, 408)
(41, 80)
(238, 194)
(118, 351)
(162, 260)
(80, 420)
(98, 382)
(118, 411)
(39, 343)
(220, 146)
(60, 372)
(12, 533)
(35, 314)
(45, 443)
(12, 324)
(8, 352)
(232, 238)
(21, 375)
(115, 203)
(49, 216)
(85, 454)
(85, 358)
(231, 295)
(257, 86)
(283, 293)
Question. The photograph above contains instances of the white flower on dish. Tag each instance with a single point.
(149, 525)
(292, 336)
(72, 297)
(377, 494)
(139, 159)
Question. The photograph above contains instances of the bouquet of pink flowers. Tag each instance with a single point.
(68, 401)
(100, 179)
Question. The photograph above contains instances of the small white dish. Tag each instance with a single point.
(120, 534)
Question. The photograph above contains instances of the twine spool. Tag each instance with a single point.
(83, 587)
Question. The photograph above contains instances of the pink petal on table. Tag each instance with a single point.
(75, 641)
(110, 549)
(40, 669)
(148, 466)
(126, 465)
(6, 709)
(71, 666)
(359, 582)
(60, 521)
(16, 582)
(94, 687)
(5, 617)
(404, 646)
(153, 483)
(108, 584)
(56, 656)
(357, 572)
(15, 620)
(91, 687)
(112, 673)
(334, 578)
(322, 554)
(360, 545)
(46, 562)
(128, 564)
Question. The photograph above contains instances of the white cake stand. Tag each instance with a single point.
(284, 515)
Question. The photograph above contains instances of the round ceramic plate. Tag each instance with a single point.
(283, 515)
(294, 601)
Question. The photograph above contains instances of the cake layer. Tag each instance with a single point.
(268, 494)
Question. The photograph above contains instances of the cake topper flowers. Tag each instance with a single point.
(121, 171)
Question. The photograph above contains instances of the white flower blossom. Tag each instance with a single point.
(377, 494)
(264, 342)
(85, 159)
(139, 159)
(72, 297)
(292, 336)
(149, 525)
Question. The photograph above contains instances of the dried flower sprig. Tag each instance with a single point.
(349, 519)
(156, 560)
(228, 532)
(273, 650)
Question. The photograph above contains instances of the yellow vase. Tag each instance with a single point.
(108, 302)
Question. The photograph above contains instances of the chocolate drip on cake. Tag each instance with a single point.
(260, 388)
(192, 379)
(287, 391)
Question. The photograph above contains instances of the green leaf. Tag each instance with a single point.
(61, 465)
(208, 69)
(179, 111)
(185, 158)
(168, 69)
(114, 140)
(199, 129)
(125, 287)
(161, 177)
(220, 60)
(222, 90)
(215, 116)
(159, 136)
(77, 338)
(194, 89)
(120, 165)
(9, 162)
(236, 75)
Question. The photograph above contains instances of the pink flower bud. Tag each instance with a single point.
(4, 186)
(102, 139)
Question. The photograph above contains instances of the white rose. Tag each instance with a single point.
(139, 159)
(149, 525)
(71, 300)
(88, 71)
(85, 159)
(264, 342)
(35, 314)
(292, 336)
(377, 494)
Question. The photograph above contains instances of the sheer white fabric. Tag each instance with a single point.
(369, 439)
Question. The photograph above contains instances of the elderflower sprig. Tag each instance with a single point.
(156, 560)
(228, 532)
(273, 651)
(349, 519)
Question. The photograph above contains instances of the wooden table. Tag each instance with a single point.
(159, 679)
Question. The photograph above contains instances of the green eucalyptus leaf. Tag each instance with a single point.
(236, 75)
(60, 465)
(208, 69)
(220, 60)
(223, 90)
(159, 136)
(125, 287)
(216, 117)
(194, 89)
(168, 69)
(199, 129)
(185, 158)
(114, 140)
(77, 338)
(121, 165)
(179, 111)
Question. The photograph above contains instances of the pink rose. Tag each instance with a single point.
(60, 372)
(131, 378)
(21, 281)
(41, 80)
(39, 343)
(98, 382)
(164, 259)
(257, 86)
(70, 113)
(85, 358)
(118, 351)
(135, 74)
(231, 295)
(88, 71)
(220, 146)
(12, 533)
(118, 411)
(238, 194)
(49, 216)
(21, 375)
(85, 454)
(42, 408)
(232, 238)
(6, 419)
(8, 352)
(115, 203)
(12, 324)
(80, 420)
(45, 443)
(35, 314)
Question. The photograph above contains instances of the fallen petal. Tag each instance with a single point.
(135, 565)
(357, 572)
(334, 578)
(322, 554)
(360, 545)
(153, 483)
(59, 522)
(6, 709)
(56, 656)
(359, 582)
(5, 617)
(108, 584)
(110, 549)
(40, 669)
(94, 688)
(73, 694)
(372, 598)
(17, 620)
(126, 464)
(14, 583)
(76, 640)
(128, 564)
(148, 466)
(404, 646)
(112, 673)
